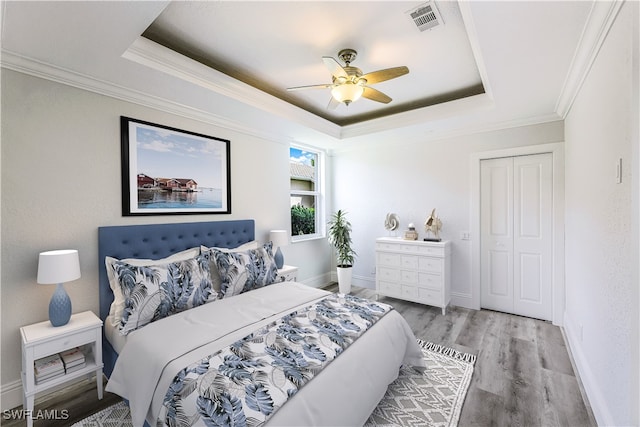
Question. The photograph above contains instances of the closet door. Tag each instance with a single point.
(496, 244)
(516, 235)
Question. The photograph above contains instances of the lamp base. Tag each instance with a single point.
(59, 307)
(279, 258)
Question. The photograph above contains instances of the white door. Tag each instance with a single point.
(516, 235)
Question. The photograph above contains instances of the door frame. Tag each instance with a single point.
(558, 285)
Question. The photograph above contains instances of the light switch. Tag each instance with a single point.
(619, 171)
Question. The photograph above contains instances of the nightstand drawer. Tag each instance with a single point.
(63, 343)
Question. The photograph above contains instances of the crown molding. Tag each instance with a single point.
(601, 18)
(24, 65)
(431, 114)
(155, 56)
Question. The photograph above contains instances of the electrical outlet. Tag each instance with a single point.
(465, 235)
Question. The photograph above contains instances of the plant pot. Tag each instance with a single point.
(344, 279)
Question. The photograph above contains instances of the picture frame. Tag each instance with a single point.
(169, 171)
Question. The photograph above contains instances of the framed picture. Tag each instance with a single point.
(171, 171)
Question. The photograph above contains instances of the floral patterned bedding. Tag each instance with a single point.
(246, 382)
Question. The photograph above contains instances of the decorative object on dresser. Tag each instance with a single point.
(58, 267)
(411, 233)
(433, 225)
(279, 238)
(415, 271)
(52, 356)
(391, 222)
(340, 238)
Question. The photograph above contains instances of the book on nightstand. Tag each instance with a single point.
(48, 368)
(73, 359)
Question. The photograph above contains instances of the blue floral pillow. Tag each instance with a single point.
(246, 270)
(158, 291)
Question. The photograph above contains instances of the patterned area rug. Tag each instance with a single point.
(430, 398)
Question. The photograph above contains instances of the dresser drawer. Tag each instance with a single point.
(390, 288)
(388, 274)
(63, 343)
(381, 246)
(433, 281)
(430, 296)
(433, 265)
(389, 260)
(409, 277)
(410, 292)
(410, 262)
(430, 250)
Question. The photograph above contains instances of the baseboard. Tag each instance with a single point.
(11, 395)
(461, 300)
(319, 281)
(594, 396)
(357, 280)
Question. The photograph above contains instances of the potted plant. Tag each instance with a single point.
(340, 238)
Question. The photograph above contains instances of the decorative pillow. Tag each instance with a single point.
(215, 275)
(115, 312)
(243, 271)
(155, 292)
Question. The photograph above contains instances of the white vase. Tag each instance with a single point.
(344, 279)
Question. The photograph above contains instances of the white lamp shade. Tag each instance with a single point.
(347, 92)
(58, 266)
(279, 238)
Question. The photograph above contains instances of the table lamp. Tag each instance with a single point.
(279, 238)
(58, 267)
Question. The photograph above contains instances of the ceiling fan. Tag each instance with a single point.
(349, 83)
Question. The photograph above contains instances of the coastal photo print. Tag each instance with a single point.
(171, 171)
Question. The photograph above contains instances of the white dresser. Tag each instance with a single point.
(414, 270)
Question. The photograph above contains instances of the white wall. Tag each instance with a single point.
(411, 178)
(61, 181)
(602, 224)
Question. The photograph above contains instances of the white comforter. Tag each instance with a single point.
(343, 394)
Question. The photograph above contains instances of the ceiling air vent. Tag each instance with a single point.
(426, 16)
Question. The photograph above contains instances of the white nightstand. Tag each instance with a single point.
(287, 273)
(42, 339)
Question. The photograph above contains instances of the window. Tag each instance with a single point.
(305, 168)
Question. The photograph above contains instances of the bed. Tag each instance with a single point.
(163, 369)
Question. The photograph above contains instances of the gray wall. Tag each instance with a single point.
(602, 255)
(61, 181)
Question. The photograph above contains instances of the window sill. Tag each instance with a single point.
(298, 239)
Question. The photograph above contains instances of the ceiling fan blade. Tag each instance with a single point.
(375, 95)
(334, 67)
(322, 86)
(333, 104)
(386, 74)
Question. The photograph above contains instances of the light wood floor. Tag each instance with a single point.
(523, 374)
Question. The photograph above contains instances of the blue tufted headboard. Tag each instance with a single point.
(154, 241)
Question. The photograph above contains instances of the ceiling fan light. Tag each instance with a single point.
(347, 92)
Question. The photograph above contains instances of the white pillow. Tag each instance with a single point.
(117, 306)
(216, 280)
